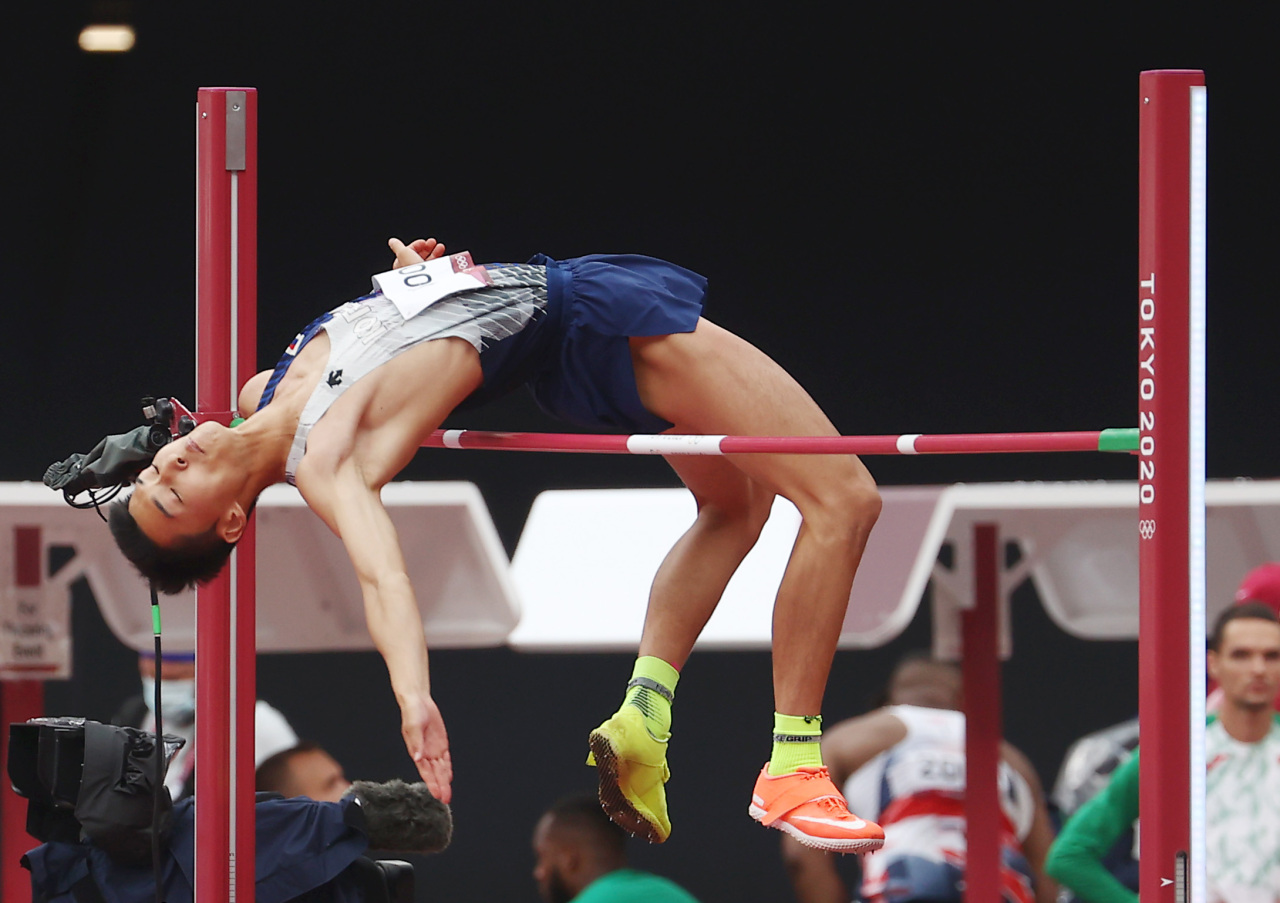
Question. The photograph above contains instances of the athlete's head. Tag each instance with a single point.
(575, 843)
(304, 769)
(185, 514)
(919, 679)
(1244, 655)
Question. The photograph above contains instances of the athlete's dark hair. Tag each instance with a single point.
(1258, 610)
(197, 559)
(272, 775)
(582, 815)
(880, 697)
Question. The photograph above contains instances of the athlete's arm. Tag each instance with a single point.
(353, 509)
(1040, 835)
(855, 742)
(1075, 858)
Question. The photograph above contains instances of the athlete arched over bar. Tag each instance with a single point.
(603, 341)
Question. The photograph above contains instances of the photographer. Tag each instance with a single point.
(91, 793)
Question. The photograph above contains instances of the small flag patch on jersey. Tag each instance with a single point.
(295, 344)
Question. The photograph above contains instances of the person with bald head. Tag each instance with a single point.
(582, 857)
(307, 770)
(904, 764)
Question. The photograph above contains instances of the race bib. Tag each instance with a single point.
(414, 288)
(924, 770)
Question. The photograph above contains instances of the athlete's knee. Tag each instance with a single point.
(744, 514)
(845, 510)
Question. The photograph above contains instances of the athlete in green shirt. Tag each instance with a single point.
(582, 857)
(1242, 755)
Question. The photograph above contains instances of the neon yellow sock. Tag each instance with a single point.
(652, 690)
(797, 742)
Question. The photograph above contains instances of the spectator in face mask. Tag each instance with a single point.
(178, 710)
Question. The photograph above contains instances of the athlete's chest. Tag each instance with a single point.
(1236, 770)
(380, 420)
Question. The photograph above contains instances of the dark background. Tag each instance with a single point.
(926, 213)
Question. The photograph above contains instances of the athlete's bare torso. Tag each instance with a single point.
(376, 426)
(363, 440)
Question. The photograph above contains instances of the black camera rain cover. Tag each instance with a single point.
(115, 806)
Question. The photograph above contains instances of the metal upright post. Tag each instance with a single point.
(1171, 480)
(226, 300)
(980, 629)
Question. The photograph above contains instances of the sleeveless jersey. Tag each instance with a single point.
(915, 791)
(369, 331)
(1243, 831)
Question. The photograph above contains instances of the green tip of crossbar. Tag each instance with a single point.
(155, 619)
(1122, 439)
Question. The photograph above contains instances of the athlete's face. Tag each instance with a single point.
(189, 488)
(1247, 663)
(548, 869)
(315, 774)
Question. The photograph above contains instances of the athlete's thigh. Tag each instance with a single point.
(712, 381)
(717, 484)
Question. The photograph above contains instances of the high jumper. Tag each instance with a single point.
(607, 342)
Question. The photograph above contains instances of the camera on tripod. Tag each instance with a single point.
(87, 780)
(118, 458)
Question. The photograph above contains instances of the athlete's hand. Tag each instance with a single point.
(417, 251)
(428, 744)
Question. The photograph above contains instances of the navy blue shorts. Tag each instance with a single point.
(600, 301)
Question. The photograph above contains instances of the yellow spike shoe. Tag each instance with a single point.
(632, 768)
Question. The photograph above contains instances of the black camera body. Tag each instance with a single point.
(83, 779)
(119, 458)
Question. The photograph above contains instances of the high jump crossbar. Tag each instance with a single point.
(1108, 440)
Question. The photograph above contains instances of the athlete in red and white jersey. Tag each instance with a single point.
(904, 765)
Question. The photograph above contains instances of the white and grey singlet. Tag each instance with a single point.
(368, 332)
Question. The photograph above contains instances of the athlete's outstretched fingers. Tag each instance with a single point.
(429, 248)
(428, 744)
(404, 255)
(437, 774)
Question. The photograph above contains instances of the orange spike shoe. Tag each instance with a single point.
(808, 806)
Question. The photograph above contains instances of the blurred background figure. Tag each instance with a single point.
(1262, 584)
(1242, 786)
(303, 770)
(904, 766)
(1086, 769)
(581, 856)
(178, 711)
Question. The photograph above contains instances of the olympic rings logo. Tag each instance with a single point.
(1146, 528)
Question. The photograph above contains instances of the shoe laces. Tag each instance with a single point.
(832, 802)
(835, 805)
